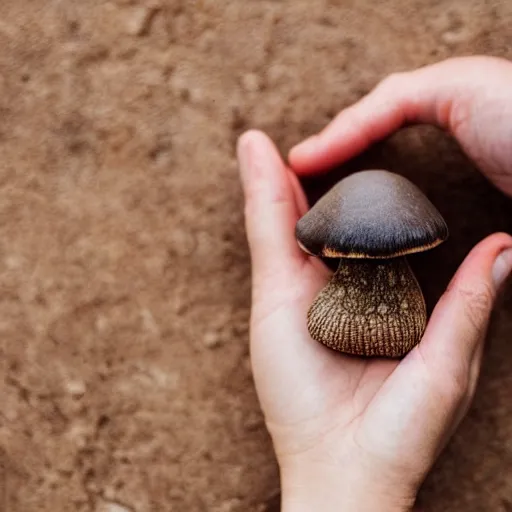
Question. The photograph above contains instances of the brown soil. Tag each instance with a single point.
(124, 271)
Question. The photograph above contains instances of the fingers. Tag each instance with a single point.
(440, 94)
(429, 392)
(452, 344)
(273, 206)
(399, 99)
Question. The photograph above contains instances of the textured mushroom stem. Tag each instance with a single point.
(370, 308)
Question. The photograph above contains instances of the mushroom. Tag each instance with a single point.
(373, 305)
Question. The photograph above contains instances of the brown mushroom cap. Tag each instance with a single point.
(371, 214)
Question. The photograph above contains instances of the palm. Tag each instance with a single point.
(298, 379)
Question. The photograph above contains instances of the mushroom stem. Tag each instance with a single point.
(370, 308)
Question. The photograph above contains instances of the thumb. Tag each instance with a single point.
(434, 384)
(454, 338)
(273, 204)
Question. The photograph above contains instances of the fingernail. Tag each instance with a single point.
(244, 155)
(502, 267)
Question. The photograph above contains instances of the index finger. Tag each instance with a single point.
(439, 94)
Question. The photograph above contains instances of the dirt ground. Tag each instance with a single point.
(124, 271)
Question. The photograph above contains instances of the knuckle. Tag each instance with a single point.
(351, 116)
(457, 385)
(459, 115)
(453, 386)
(477, 304)
(392, 81)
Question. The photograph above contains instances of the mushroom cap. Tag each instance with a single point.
(371, 214)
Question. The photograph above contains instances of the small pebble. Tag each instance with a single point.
(101, 323)
(139, 22)
(452, 37)
(212, 340)
(76, 388)
(252, 422)
(180, 84)
(78, 435)
(207, 40)
(251, 82)
(278, 74)
(111, 506)
(149, 323)
(228, 506)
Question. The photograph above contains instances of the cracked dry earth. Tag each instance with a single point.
(124, 271)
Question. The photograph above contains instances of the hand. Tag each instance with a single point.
(352, 434)
(469, 97)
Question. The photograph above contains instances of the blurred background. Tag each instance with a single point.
(124, 271)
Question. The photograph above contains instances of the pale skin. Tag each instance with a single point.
(355, 434)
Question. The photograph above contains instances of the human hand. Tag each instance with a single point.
(469, 97)
(352, 434)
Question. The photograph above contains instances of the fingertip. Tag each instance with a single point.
(259, 161)
(253, 134)
(459, 320)
(480, 260)
(249, 138)
(316, 155)
(496, 241)
(302, 155)
(261, 144)
(271, 210)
